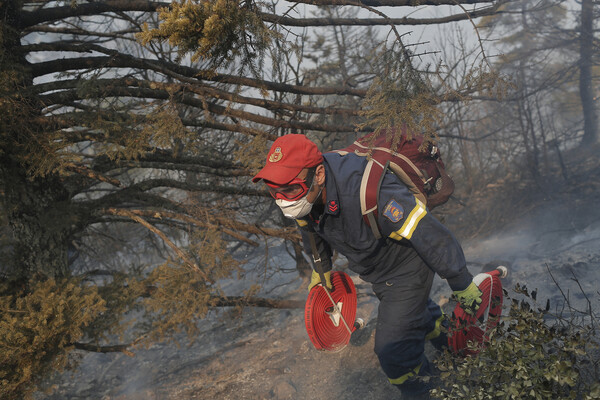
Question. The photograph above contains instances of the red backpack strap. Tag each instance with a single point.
(369, 185)
(369, 193)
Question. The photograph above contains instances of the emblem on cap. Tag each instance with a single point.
(276, 156)
(393, 211)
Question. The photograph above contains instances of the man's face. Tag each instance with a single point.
(306, 184)
(316, 187)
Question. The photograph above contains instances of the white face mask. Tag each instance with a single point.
(298, 208)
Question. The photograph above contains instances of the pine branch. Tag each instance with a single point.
(150, 184)
(196, 164)
(88, 172)
(228, 226)
(404, 21)
(143, 93)
(177, 166)
(176, 71)
(393, 3)
(70, 119)
(164, 216)
(285, 233)
(201, 90)
(30, 18)
(131, 197)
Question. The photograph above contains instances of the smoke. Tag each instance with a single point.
(554, 250)
(510, 246)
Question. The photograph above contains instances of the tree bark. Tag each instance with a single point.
(41, 219)
(37, 209)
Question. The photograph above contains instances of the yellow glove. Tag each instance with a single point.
(469, 299)
(315, 279)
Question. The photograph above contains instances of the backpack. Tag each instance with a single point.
(421, 171)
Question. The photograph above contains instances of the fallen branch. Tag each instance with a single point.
(233, 301)
(188, 262)
(119, 348)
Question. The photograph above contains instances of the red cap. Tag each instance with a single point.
(289, 155)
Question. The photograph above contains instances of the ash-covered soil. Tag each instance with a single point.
(551, 243)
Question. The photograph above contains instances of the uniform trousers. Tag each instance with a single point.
(406, 319)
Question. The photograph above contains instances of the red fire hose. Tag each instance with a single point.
(329, 324)
(474, 328)
(330, 316)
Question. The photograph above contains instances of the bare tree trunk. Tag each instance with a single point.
(465, 155)
(41, 223)
(542, 134)
(37, 209)
(524, 111)
(586, 90)
(535, 161)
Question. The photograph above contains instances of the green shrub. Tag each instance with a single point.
(38, 328)
(531, 354)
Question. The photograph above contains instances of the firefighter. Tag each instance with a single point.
(321, 192)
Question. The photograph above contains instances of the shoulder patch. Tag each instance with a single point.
(393, 211)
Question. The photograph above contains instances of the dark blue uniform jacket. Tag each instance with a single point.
(408, 230)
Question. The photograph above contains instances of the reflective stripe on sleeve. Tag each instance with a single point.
(409, 226)
(437, 330)
(405, 377)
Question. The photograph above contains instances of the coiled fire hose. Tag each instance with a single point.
(330, 316)
(468, 329)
